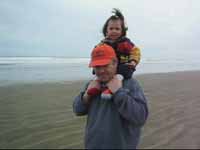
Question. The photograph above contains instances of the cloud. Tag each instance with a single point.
(72, 28)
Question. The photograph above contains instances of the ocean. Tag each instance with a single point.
(58, 69)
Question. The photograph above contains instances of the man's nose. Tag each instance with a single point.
(101, 69)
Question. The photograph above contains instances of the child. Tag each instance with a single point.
(114, 31)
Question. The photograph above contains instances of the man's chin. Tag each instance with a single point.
(105, 80)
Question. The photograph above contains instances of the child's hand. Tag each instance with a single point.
(132, 64)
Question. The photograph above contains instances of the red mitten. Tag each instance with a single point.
(93, 91)
(106, 94)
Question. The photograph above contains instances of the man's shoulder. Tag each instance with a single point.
(132, 79)
(131, 82)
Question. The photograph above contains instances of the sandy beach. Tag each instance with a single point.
(40, 115)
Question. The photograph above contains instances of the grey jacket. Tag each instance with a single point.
(115, 123)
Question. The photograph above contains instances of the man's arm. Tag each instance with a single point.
(80, 107)
(83, 100)
(131, 103)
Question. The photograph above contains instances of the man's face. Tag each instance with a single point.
(114, 29)
(106, 73)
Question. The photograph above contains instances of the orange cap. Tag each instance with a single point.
(102, 55)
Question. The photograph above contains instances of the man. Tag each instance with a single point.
(113, 123)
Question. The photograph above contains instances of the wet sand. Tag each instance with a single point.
(174, 102)
(40, 115)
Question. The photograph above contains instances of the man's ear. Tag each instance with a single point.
(115, 61)
(93, 71)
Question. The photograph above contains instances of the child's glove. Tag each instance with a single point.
(93, 91)
(93, 88)
(106, 94)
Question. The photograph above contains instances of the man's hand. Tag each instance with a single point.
(115, 83)
(92, 90)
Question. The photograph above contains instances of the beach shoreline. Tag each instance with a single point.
(40, 115)
(70, 81)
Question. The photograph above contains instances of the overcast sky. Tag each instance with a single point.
(71, 28)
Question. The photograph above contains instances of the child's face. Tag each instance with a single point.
(114, 29)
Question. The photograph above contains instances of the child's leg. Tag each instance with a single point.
(125, 70)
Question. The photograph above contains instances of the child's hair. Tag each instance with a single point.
(117, 15)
